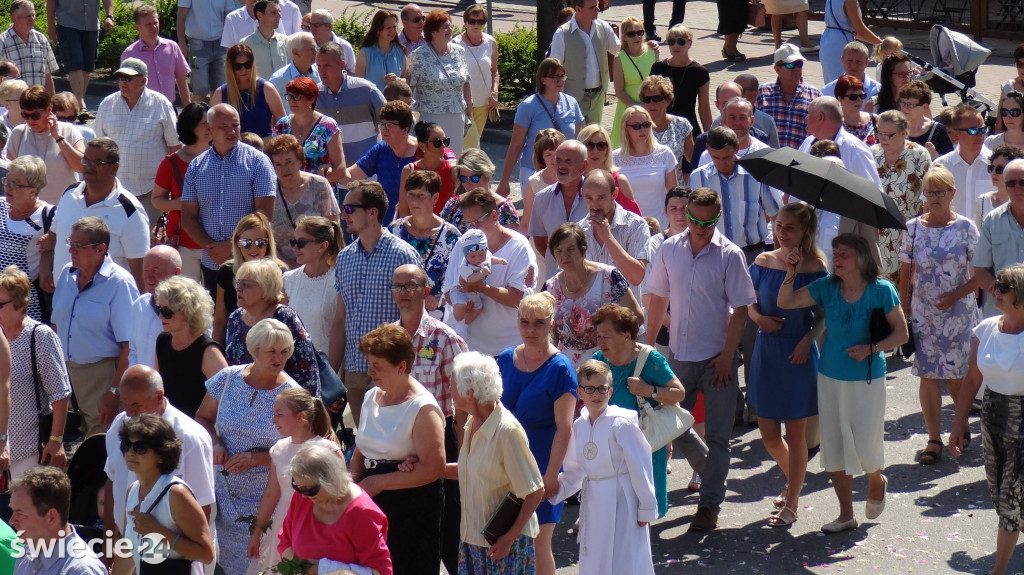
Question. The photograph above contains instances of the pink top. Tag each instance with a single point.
(359, 536)
(164, 63)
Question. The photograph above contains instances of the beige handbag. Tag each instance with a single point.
(663, 423)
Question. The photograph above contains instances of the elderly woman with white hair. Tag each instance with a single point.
(495, 460)
(260, 288)
(331, 520)
(24, 218)
(237, 413)
(185, 356)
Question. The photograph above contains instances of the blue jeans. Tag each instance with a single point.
(208, 66)
(719, 409)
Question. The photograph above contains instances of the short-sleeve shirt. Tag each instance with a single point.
(745, 203)
(437, 81)
(59, 175)
(436, 345)
(849, 325)
(355, 108)
(435, 250)
(142, 133)
(646, 176)
(999, 357)
(535, 114)
(301, 366)
(205, 20)
(549, 213)
(317, 200)
(165, 63)
(34, 58)
(382, 162)
(93, 322)
(53, 379)
(1001, 241)
(790, 117)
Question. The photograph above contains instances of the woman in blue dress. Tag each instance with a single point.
(381, 55)
(540, 390)
(783, 383)
(237, 412)
(258, 103)
(843, 24)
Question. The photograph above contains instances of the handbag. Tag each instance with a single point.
(502, 519)
(331, 387)
(73, 423)
(168, 566)
(663, 423)
(878, 329)
(757, 16)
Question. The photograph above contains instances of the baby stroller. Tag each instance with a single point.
(957, 59)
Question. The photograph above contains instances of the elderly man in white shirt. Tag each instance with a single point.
(969, 160)
(825, 122)
(738, 116)
(159, 263)
(321, 25)
(142, 391)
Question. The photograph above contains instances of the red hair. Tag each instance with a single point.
(847, 83)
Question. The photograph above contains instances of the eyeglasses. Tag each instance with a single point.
(598, 389)
(656, 99)
(477, 221)
(78, 245)
(415, 20)
(791, 65)
(936, 193)
(299, 243)
(440, 142)
(7, 181)
(909, 104)
(33, 116)
(1012, 113)
(475, 22)
(244, 284)
(294, 97)
(599, 146)
(307, 491)
(997, 170)
(318, 24)
(1002, 287)
(246, 243)
(409, 287)
(305, 27)
(388, 125)
(902, 74)
(676, 41)
(703, 223)
(1014, 184)
(973, 130)
(96, 163)
(236, 66)
(139, 447)
(349, 208)
(557, 78)
(640, 126)
(855, 97)
(124, 77)
(162, 310)
(633, 34)
(475, 178)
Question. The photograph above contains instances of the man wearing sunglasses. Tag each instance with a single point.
(969, 160)
(582, 45)
(412, 28)
(1001, 241)
(825, 122)
(560, 202)
(159, 263)
(855, 61)
(786, 100)
(142, 391)
(704, 275)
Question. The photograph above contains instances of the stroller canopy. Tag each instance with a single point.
(955, 52)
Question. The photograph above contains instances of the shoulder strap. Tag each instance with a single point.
(35, 372)
(129, 207)
(931, 132)
(178, 178)
(167, 488)
(641, 360)
(48, 218)
(633, 62)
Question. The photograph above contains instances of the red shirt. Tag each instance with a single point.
(359, 536)
(165, 179)
(444, 171)
(628, 204)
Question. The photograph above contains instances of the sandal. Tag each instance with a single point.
(779, 520)
(694, 485)
(780, 501)
(929, 457)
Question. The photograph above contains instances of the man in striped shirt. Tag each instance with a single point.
(353, 102)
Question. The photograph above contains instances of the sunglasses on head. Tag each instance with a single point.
(1013, 113)
(973, 130)
(703, 223)
(640, 126)
(600, 146)
(247, 65)
(300, 243)
(139, 447)
(855, 97)
(997, 170)
(440, 142)
(656, 99)
(1002, 287)
(633, 34)
(475, 22)
(791, 65)
(307, 491)
(246, 243)
(33, 116)
(598, 389)
(475, 178)
(349, 208)
(162, 310)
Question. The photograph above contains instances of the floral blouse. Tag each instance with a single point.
(903, 183)
(437, 80)
(865, 132)
(574, 334)
(314, 147)
(675, 138)
(301, 366)
(435, 250)
(452, 213)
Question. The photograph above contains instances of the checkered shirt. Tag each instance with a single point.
(225, 187)
(142, 133)
(436, 344)
(34, 58)
(364, 282)
(790, 117)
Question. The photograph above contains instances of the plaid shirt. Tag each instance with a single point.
(142, 133)
(34, 58)
(436, 344)
(790, 117)
(363, 280)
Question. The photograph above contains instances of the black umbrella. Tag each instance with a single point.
(825, 185)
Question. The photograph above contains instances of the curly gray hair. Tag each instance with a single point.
(477, 372)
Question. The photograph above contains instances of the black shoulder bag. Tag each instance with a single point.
(73, 423)
(168, 566)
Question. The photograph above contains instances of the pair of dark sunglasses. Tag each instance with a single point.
(600, 146)
(246, 243)
(307, 491)
(236, 66)
(656, 99)
(162, 310)
(475, 178)
(791, 65)
(300, 243)
(139, 447)
(1002, 287)
(440, 142)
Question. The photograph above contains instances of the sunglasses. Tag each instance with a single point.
(349, 208)
(72, 118)
(415, 20)
(676, 42)
(124, 77)
(475, 22)
(885, 136)
(598, 389)
(656, 99)
(855, 97)
(997, 170)
(95, 163)
(703, 223)
(33, 116)
(599, 146)
(1004, 112)
(300, 243)
(247, 65)
(557, 78)
(307, 491)
(791, 65)
(162, 310)
(633, 34)
(246, 243)
(440, 142)
(973, 130)
(474, 178)
(1002, 287)
(1015, 184)
(640, 126)
(139, 447)
(409, 287)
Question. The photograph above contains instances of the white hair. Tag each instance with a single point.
(269, 332)
(324, 15)
(322, 466)
(295, 41)
(478, 372)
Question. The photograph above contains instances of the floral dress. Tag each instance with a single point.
(902, 182)
(437, 80)
(864, 132)
(314, 146)
(301, 366)
(674, 137)
(452, 213)
(574, 334)
(941, 258)
(436, 250)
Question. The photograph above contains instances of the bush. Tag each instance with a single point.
(517, 64)
(353, 27)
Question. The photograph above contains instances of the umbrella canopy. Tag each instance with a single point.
(825, 185)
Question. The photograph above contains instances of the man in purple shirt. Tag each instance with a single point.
(164, 59)
(703, 274)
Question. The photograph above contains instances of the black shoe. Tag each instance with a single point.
(812, 451)
(653, 36)
(704, 520)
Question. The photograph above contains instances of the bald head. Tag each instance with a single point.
(142, 391)
(727, 91)
(159, 263)
(142, 377)
(416, 272)
(225, 128)
(749, 84)
(824, 117)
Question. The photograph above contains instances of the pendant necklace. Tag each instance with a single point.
(590, 448)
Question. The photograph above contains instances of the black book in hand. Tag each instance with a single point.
(503, 518)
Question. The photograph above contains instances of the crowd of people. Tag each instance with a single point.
(310, 275)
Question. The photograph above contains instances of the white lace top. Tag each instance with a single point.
(315, 300)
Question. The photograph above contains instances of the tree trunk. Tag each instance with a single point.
(547, 20)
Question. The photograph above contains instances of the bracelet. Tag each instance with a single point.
(59, 140)
(175, 542)
(57, 438)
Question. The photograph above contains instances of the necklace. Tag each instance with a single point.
(470, 42)
(590, 448)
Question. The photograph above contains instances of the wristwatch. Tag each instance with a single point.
(654, 395)
(3, 437)
(115, 391)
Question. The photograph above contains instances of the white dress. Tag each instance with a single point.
(611, 461)
(315, 300)
(646, 175)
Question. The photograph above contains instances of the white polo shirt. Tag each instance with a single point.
(120, 210)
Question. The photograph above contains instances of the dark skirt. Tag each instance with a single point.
(732, 16)
(1002, 430)
(414, 525)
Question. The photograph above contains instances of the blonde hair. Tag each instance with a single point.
(299, 401)
(233, 93)
(186, 296)
(805, 217)
(679, 31)
(267, 274)
(588, 132)
(594, 368)
(632, 23)
(889, 45)
(538, 305)
(266, 332)
(626, 143)
(939, 176)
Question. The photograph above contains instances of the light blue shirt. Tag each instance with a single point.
(282, 76)
(746, 203)
(94, 322)
(535, 114)
(87, 565)
(205, 19)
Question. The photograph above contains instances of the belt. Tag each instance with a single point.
(592, 90)
(375, 463)
(844, 30)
